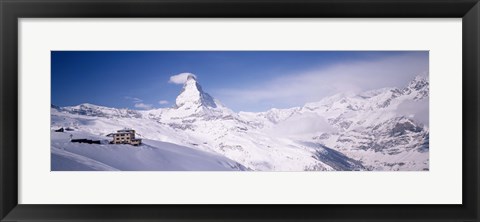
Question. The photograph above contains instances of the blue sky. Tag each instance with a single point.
(242, 80)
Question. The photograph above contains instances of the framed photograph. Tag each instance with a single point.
(225, 110)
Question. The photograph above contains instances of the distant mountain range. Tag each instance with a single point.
(384, 129)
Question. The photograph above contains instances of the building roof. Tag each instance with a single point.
(125, 130)
(114, 134)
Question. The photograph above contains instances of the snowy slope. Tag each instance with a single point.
(152, 155)
(384, 129)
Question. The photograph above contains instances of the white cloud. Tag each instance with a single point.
(296, 89)
(299, 124)
(138, 103)
(163, 102)
(418, 110)
(143, 106)
(180, 78)
(134, 99)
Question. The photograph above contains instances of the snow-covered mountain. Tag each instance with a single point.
(384, 129)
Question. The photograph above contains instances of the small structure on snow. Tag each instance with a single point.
(86, 141)
(64, 129)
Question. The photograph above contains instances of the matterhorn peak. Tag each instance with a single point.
(191, 77)
(192, 95)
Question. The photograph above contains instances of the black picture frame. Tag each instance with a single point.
(12, 10)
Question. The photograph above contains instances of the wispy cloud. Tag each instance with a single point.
(134, 99)
(138, 103)
(418, 110)
(180, 78)
(163, 102)
(143, 106)
(299, 88)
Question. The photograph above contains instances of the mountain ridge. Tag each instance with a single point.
(376, 123)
